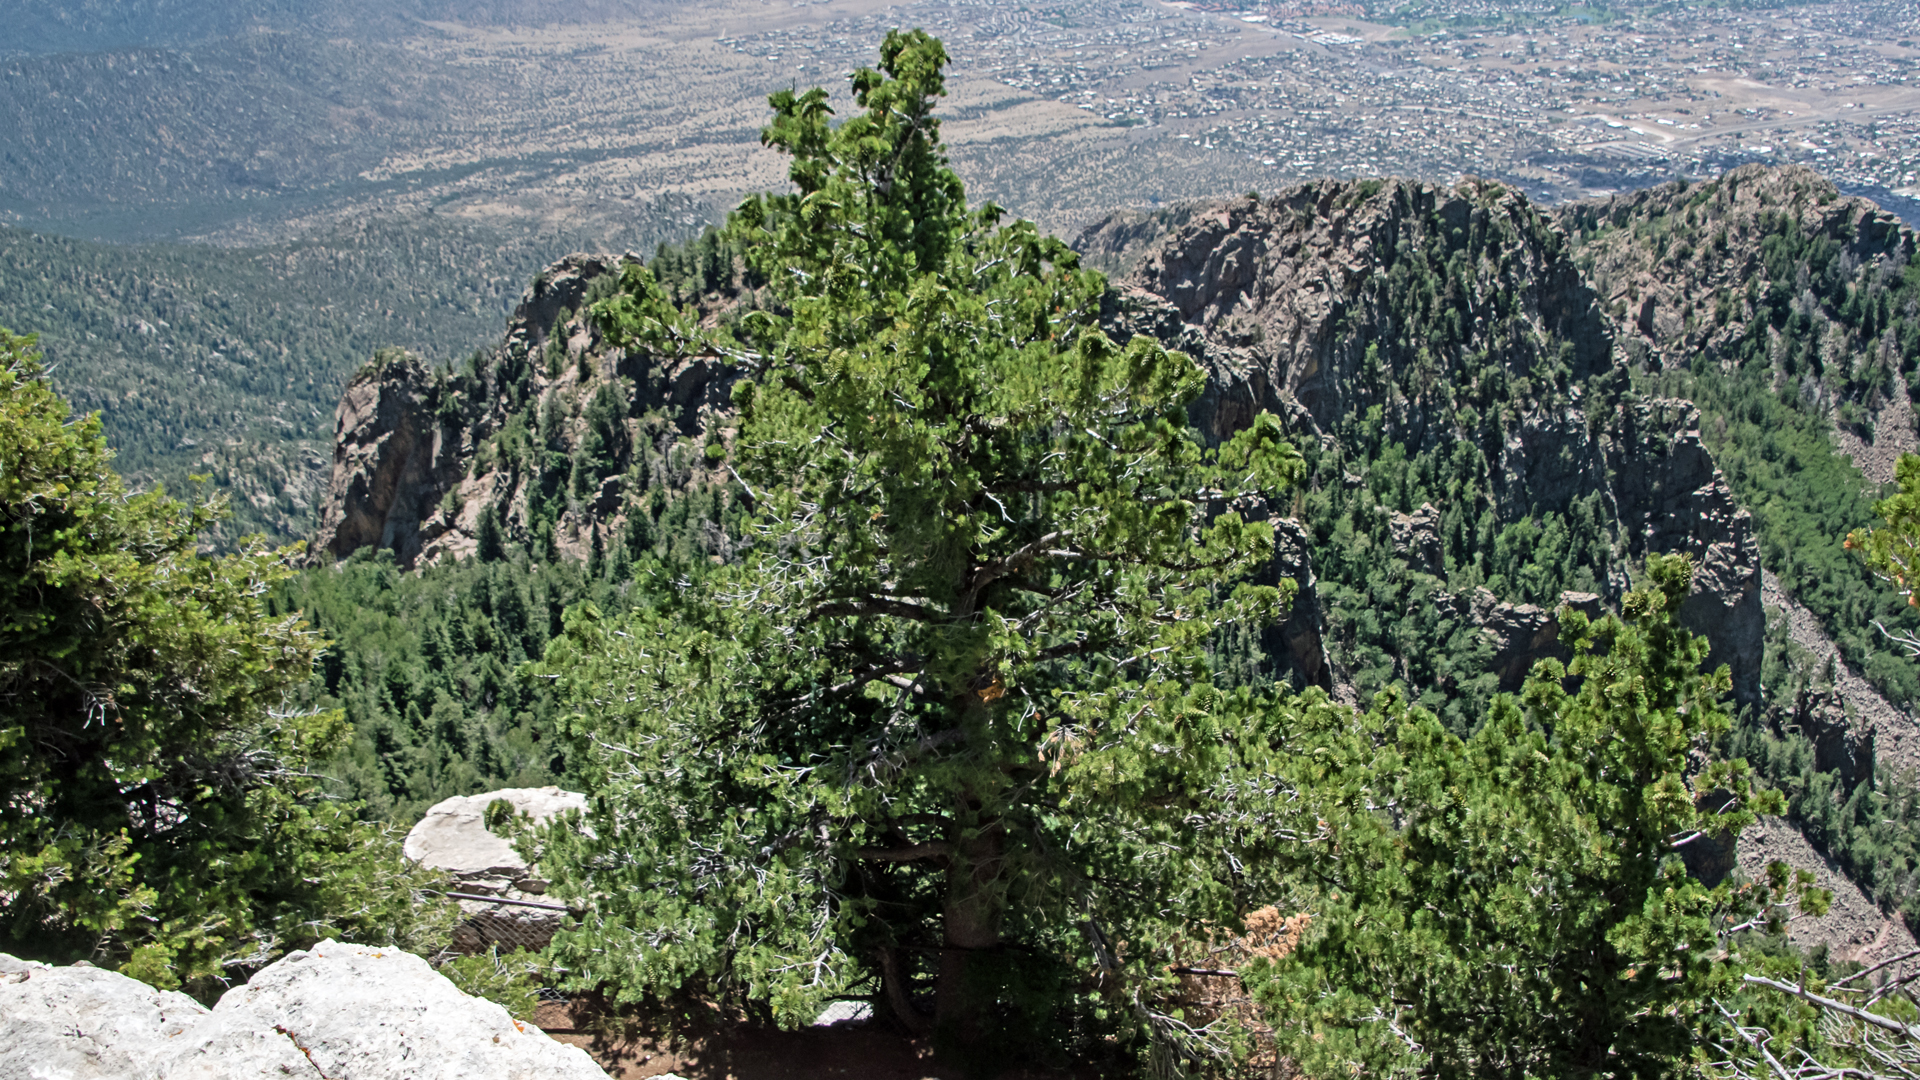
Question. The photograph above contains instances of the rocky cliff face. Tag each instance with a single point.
(392, 460)
(1672, 499)
(1289, 293)
(1674, 271)
(1449, 316)
(551, 433)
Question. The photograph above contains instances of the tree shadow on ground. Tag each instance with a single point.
(632, 1048)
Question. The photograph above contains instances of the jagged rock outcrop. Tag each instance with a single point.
(404, 437)
(1840, 744)
(393, 458)
(1288, 293)
(1672, 499)
(559, 290)
(1525, 634)
(1418, 535)
(336, 1011)
(457, 836)
(1675, 295)
(1298, 645)
(427, 462)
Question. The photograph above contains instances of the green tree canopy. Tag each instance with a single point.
(1516, 903)
(1893, 552)
(155, 811)
(950, 718)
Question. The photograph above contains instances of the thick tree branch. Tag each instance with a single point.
(996, 569)
(872, 605)
(1804, 994)
(893, 982)
(1864, 972)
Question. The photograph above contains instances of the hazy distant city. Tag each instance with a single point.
(1568, 102)
(1062, 111)
(400, 185)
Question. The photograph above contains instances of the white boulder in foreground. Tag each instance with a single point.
(334, 1012)
(78, 1023)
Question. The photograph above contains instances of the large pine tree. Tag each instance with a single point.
(950, 720)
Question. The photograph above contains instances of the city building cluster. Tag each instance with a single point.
(1562, 102)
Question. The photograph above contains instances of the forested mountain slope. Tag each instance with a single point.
(1791, 315)
(537, 474)
(1783, 313)
(1489, 431)
(1473, 440)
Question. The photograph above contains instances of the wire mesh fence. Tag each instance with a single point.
(494, 923)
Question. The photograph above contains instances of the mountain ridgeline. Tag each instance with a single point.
(1792, 317)
(1504, 409)
(544, 472)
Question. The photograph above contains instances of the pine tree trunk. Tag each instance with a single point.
(972, 916)
(893, 983)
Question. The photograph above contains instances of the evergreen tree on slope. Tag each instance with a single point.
(950, 720)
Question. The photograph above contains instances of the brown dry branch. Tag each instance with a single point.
(1209, 989)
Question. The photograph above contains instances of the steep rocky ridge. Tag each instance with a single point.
(1791, 315)
(1682, 271)
(1290, 292)
(1371, 315)
(543, 440)
(1391, 334)
(1411, 319)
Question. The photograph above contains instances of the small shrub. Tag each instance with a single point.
(511, 981)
